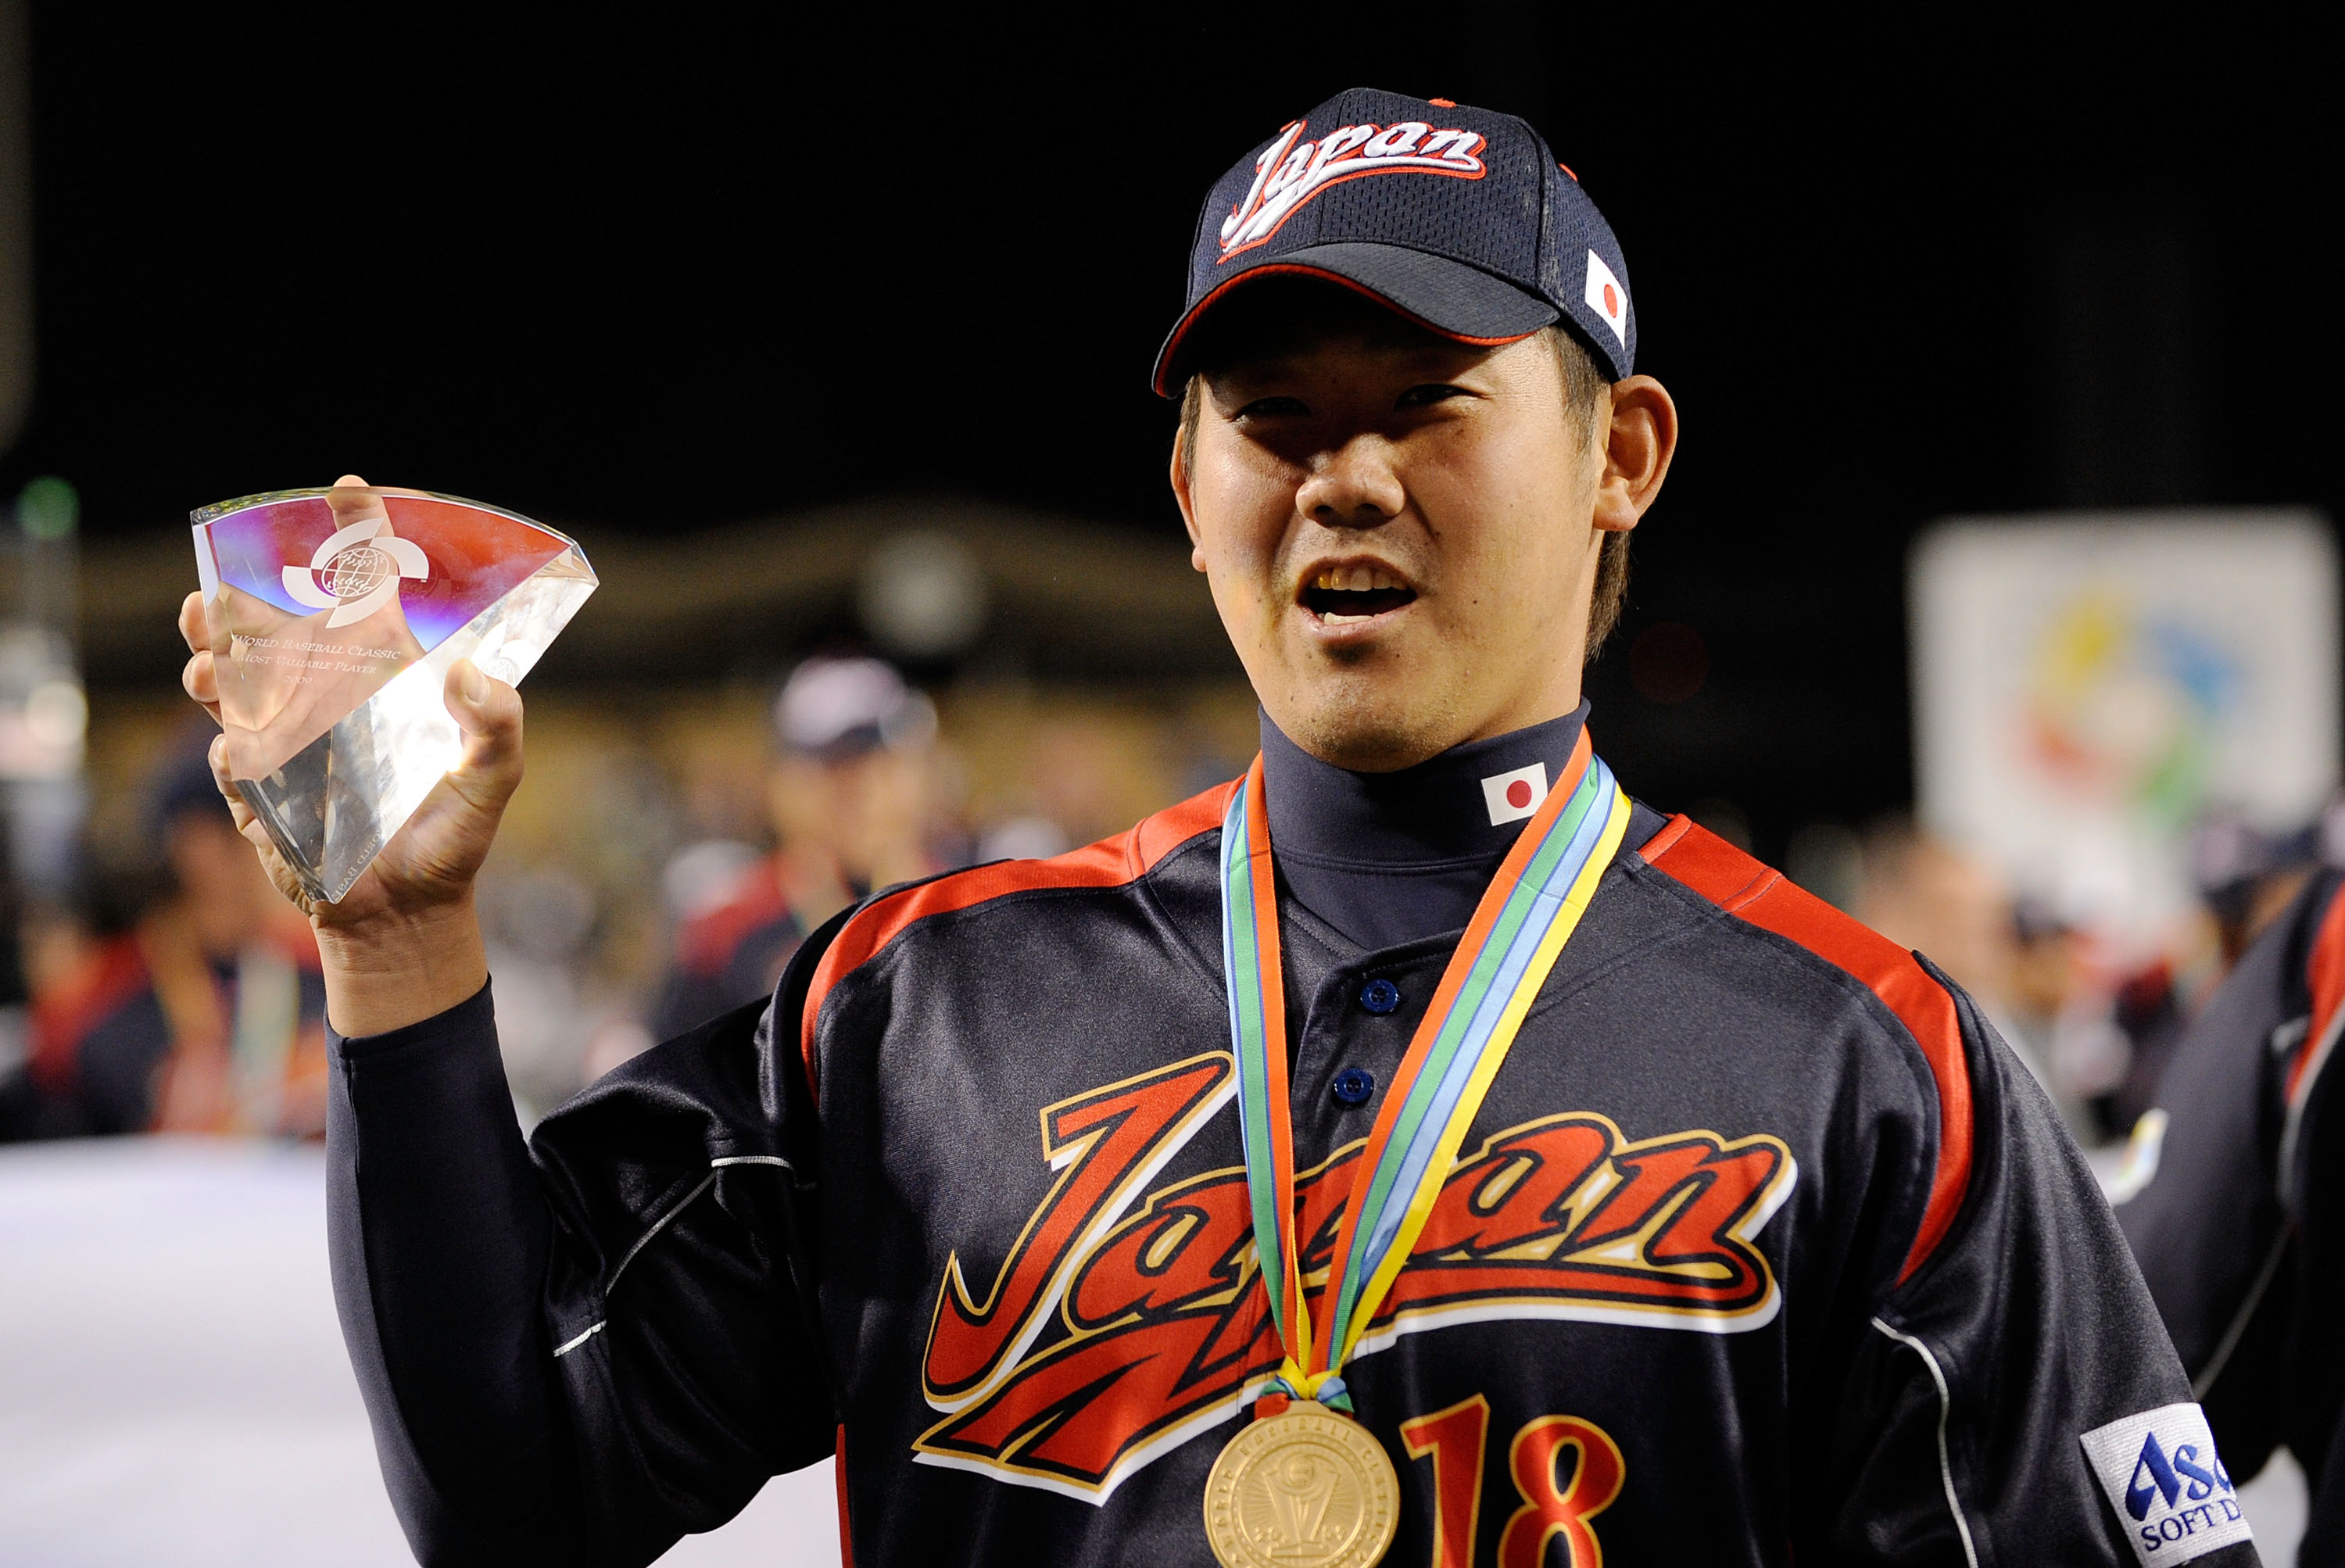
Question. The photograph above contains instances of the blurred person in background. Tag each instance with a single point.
(2097, 1035)
(2234, 1200)
(1928, 896)
(1924, 894)
(1073, 796)
(195, 1003)
(2246, 878)
(2249, 877)
(848, 799)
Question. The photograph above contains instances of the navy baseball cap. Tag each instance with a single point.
(1457, 218)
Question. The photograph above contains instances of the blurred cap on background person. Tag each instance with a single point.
(832, 709)
(2246, 875)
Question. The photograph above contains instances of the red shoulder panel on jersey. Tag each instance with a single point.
(1749, 890)
(2324, 974)
(1110, 863)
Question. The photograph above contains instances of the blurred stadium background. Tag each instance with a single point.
(834, 342)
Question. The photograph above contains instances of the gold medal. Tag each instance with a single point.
(1307, 1487)
(1303, 1489)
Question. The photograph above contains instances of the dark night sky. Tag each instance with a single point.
(630, 268)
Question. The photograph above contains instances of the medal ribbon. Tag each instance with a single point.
(1525, 916)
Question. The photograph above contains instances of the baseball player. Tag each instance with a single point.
(846, 799)
(1414, 1150)
(202, 1011)
(2236, 1224)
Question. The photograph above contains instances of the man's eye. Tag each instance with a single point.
(1273, 408)
(1425, 396)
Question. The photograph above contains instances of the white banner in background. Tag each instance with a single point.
(2087, 685)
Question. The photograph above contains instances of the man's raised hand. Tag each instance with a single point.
(403, 943)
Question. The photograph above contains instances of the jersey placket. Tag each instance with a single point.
(1341, 1032)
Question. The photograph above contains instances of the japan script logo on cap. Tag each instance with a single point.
(1607, 298)
(1511, 796)
(1290, 171)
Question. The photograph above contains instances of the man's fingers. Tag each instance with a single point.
(201, 679)
(218, 759)
(350, 502)
(191, 623)
(247, 821)
(489, 713)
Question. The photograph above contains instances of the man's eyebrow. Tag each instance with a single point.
(1435, 359)
(1240, 382)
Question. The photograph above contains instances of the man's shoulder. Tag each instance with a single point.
(994, 919)
(1752, 908)
(999, 889)
(1758, 931)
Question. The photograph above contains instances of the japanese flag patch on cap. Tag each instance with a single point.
(1511, 796)
(1608, 297)
(2171, 1493)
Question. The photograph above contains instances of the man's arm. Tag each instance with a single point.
(1996, 1396)
(440, 1238)
(511, 1428)
(578, 1352)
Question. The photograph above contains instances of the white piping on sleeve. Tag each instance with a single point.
(1945, 1408)
(661, 1224)
(591, 1330)
(658, 1224)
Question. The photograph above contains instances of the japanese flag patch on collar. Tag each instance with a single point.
(2170, 1492)
(1514, 795)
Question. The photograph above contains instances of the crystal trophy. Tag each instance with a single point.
(333, 617)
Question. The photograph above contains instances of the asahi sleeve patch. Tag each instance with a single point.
(2170, 1492)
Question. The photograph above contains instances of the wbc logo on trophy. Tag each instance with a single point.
(356, 572)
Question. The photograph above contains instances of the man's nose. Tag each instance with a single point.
(1354, 486)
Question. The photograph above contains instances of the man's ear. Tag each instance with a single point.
(1181, 493)
(1640, 436)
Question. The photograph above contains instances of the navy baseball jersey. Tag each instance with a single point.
(1761, 1248)
(2240, 1227)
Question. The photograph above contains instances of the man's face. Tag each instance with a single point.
(1401, 536)
(869, 811)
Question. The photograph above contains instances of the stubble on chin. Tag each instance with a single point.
(1359, 713)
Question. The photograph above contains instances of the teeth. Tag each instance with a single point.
(1355, 579)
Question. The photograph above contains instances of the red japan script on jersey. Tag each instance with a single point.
(1101, 1346)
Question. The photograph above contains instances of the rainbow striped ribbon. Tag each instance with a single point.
(1526, 916)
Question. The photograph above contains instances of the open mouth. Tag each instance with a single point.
(1340, 595)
